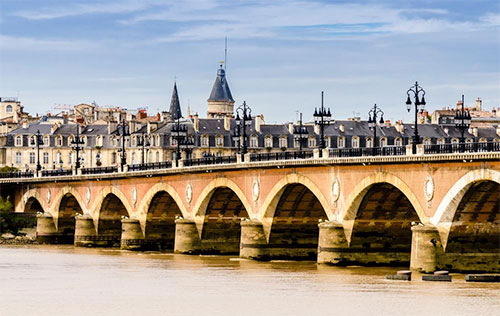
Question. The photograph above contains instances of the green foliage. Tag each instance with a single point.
(10, 222)
(8, 169)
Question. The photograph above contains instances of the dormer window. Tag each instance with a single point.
(8, 109)
(269, 142)
(311, 142)
(253, 141)
(341, 142)
(369, 142)
(383, 142)
(283, 142)
(46, 140)
(204, 141)
(398, 142)
(355, 142)
(454, 141)
(219, 141)
(33, 141)
(19, 141)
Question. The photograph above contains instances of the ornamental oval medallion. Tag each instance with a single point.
(429, 188)
(87, 195)
(48, 195)
(256, 190)
(134, 195)
(335, 189)
(189, 193)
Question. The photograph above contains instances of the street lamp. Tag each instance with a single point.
(77, 142)
(181, 132)
(372, 121)
(143, 141)
(322, 118)
(462, 122)
(417, 91)
(300, 133)
(39, 142)
(243, 122)
(123, 131)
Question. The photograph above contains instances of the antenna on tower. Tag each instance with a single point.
(225, 53)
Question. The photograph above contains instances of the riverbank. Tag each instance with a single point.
(26, 236)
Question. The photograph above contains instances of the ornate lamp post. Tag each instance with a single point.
(243, 122)
(462, 122)
(372, 122)
(189, 144)
(143, 141)
(300, 133)
(181, 132)
(416, 90)
(322, 118)
(123, 131)
(77, 142)
(39, 142)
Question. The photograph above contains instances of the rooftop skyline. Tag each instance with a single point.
(280, 55)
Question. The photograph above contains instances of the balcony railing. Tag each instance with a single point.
(362, 152)
(285, 155)
(99, 170)
(213, 160)
(17, 174)
(150, 166)
(462, 147)
(57, 172)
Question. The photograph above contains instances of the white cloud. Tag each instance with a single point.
(34, 44)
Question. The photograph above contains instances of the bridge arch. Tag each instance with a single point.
(157, 212)
(463, 192)
(218, 213)
(378, 219)
(30, 197)
(67, 205)
(273, 198)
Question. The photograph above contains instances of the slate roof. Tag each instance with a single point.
(175, 106)
(220, 90)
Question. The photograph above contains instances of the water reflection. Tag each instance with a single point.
(62, 280)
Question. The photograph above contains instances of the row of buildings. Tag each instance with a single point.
(153, 138)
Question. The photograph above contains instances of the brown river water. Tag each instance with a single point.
(62, 280)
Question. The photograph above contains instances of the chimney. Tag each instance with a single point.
(399, 126)
(132, 126)
(196, 122)
(498, 130)
(53, 128)
(387, 123)
(259, 120)
(152, 126)
(446, 130)
(111, 126)
(25, 124)
(479, 104)
(474, 131)
(341, 127)
(290, 128)
(158, 117)
(227, 122)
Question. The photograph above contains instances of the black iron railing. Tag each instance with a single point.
(462, 147)
(212, 160)
(362, 152)
(17, 174)
(285, 155)
(99, 170)
(150, 166)
(57, 172)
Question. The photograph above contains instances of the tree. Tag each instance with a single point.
(9, 221)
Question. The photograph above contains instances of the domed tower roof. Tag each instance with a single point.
(220, 90)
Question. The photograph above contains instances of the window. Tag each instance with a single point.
(157, 157)
(45, 158)
(483, 140)
(454, 141)
(311, 142)
(269, 142)
(59, 141)
(440, 141)
(340, 142)
(253, 141)
(173, 155)
(32, 158)
(18, 158)
(469, 140)
(70, 158)
(427, 141)
(219, 154)
(220, 141)
(355, 142)
(204, 141)
(58, 158)
(133, 158)
(369, 142)
(383, 142)
(283, 142)
(19, 141)
(113, 158)
(327, 142)
(33, 141)
(8, 109)
(46, 140)
(398, 141)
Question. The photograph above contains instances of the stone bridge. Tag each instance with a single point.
(432, 212)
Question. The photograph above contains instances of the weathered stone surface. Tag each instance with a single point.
(426, 249)
(132, 237)
(437, 277)
(85, 233)
(482, 278)
(253, 241)
(187, 240)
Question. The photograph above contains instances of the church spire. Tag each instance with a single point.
(220, 102)
(175, 105)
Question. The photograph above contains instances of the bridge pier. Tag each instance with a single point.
(132, 237)
(187, 240)
(85, 233)
(46, 231)
(426, 249)
(253, 243)
(332, 244)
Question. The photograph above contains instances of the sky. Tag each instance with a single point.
(281, 54)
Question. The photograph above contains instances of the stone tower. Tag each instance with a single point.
(220, 102)
(175, 105)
